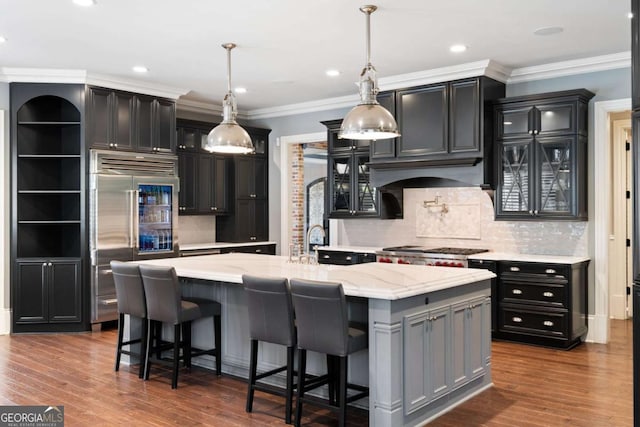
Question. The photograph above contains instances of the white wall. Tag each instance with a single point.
(5, 322)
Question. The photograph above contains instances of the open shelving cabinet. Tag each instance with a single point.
(48, 207)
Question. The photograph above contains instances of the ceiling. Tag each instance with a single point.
(286, 46)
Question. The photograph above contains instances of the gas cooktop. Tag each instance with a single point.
(426, 250)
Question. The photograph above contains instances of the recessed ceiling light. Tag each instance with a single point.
(457, 48)
(547, 31)
(333, 73)
(2, 39)
(85, 3)
(630, 15)
(140, 69)
(240, 90)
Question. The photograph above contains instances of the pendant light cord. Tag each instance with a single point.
(229, 46)
(368, 27)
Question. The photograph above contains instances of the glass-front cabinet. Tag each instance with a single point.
(537, 178)
(351, 191)
(541, 156)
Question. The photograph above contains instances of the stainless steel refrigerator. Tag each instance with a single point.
(133, 215)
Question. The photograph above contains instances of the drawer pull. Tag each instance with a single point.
(550, 271)
(326, 256)
(514, 268)
(516, 292)
(517, 319)
(348, 258)
(548, 294)
(109, 301)
(547, 323)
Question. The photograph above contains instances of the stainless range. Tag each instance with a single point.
(420, 255)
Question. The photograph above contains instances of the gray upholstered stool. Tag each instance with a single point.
(165, 304)
(270, 320)
(131, 301)
(323, 326)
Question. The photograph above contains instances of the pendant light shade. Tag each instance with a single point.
(229, 136)
(368, 119)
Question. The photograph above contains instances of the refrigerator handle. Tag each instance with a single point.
(134, 223)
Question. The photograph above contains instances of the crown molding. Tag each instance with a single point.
(53, 75)
(568, 68)
(485, 67)
(137, 86)
(304, 107)
(204, 107)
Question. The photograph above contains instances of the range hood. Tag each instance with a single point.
(391, 183)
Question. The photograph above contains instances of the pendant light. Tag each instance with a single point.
(229, 136)
(368, 119)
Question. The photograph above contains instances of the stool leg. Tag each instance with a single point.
(289, 390)
(342, 392)
(217, 326)
(143, 346)
(147, 362)
(157, 333)
(176, 355)
(331, 372)
(253, 368)
(119, 344)
(302, 370)
(186, 348)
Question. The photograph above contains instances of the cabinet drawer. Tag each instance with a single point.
(547, 294)
(533, 322)
(366, 257)
(549, 270)
(337, 257)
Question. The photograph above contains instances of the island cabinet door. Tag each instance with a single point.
(467, 338)
(426, 353)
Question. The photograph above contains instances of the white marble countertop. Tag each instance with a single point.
(216, 245)
(509, 256)
(370, 280)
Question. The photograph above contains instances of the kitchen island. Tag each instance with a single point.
(429, 327)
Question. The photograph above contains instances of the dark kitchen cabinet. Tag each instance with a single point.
(541, 156)
(127, 121)
(188, 173)
(48, 216)
(213, 193)
(48, 291)
(248, 184)
(440, 124)
(542, 303)
(350, 191)
(327, 256)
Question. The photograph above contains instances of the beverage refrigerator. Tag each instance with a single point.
(133, 211)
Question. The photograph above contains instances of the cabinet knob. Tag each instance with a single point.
(348, 258)
(516, 292)
(115, 145)
(550, 271)
(44, 264)
(530, 212)
(535, 212)
(530, 132)
(258, 251)
(514, 268)
(49, 264)
(212, 208)
(516, 319)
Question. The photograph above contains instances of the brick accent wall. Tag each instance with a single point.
(297, 196)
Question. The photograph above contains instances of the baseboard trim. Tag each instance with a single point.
(598, 329)
(5, 321)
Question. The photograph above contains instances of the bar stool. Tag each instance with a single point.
(165, 304)
(270, 320)
(130, 299)
(323, 326)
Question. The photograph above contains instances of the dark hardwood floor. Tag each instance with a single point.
(590, 385)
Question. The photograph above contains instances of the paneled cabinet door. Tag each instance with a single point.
(145, 121)
(468, 336)
(251, 182)
(464, 117)
(48, 291)
(422, 116)
(187, 171)
(111, 119)
(427, 366)
(385, 148)
(164, 126)
(213, 194)
(252, 217)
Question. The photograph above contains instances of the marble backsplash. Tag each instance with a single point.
(468, 222)
(196, 229)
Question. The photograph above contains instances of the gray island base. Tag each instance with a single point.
(429, 328)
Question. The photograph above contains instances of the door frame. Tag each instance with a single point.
(599, 320)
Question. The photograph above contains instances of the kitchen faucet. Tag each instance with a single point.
(312, 259)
